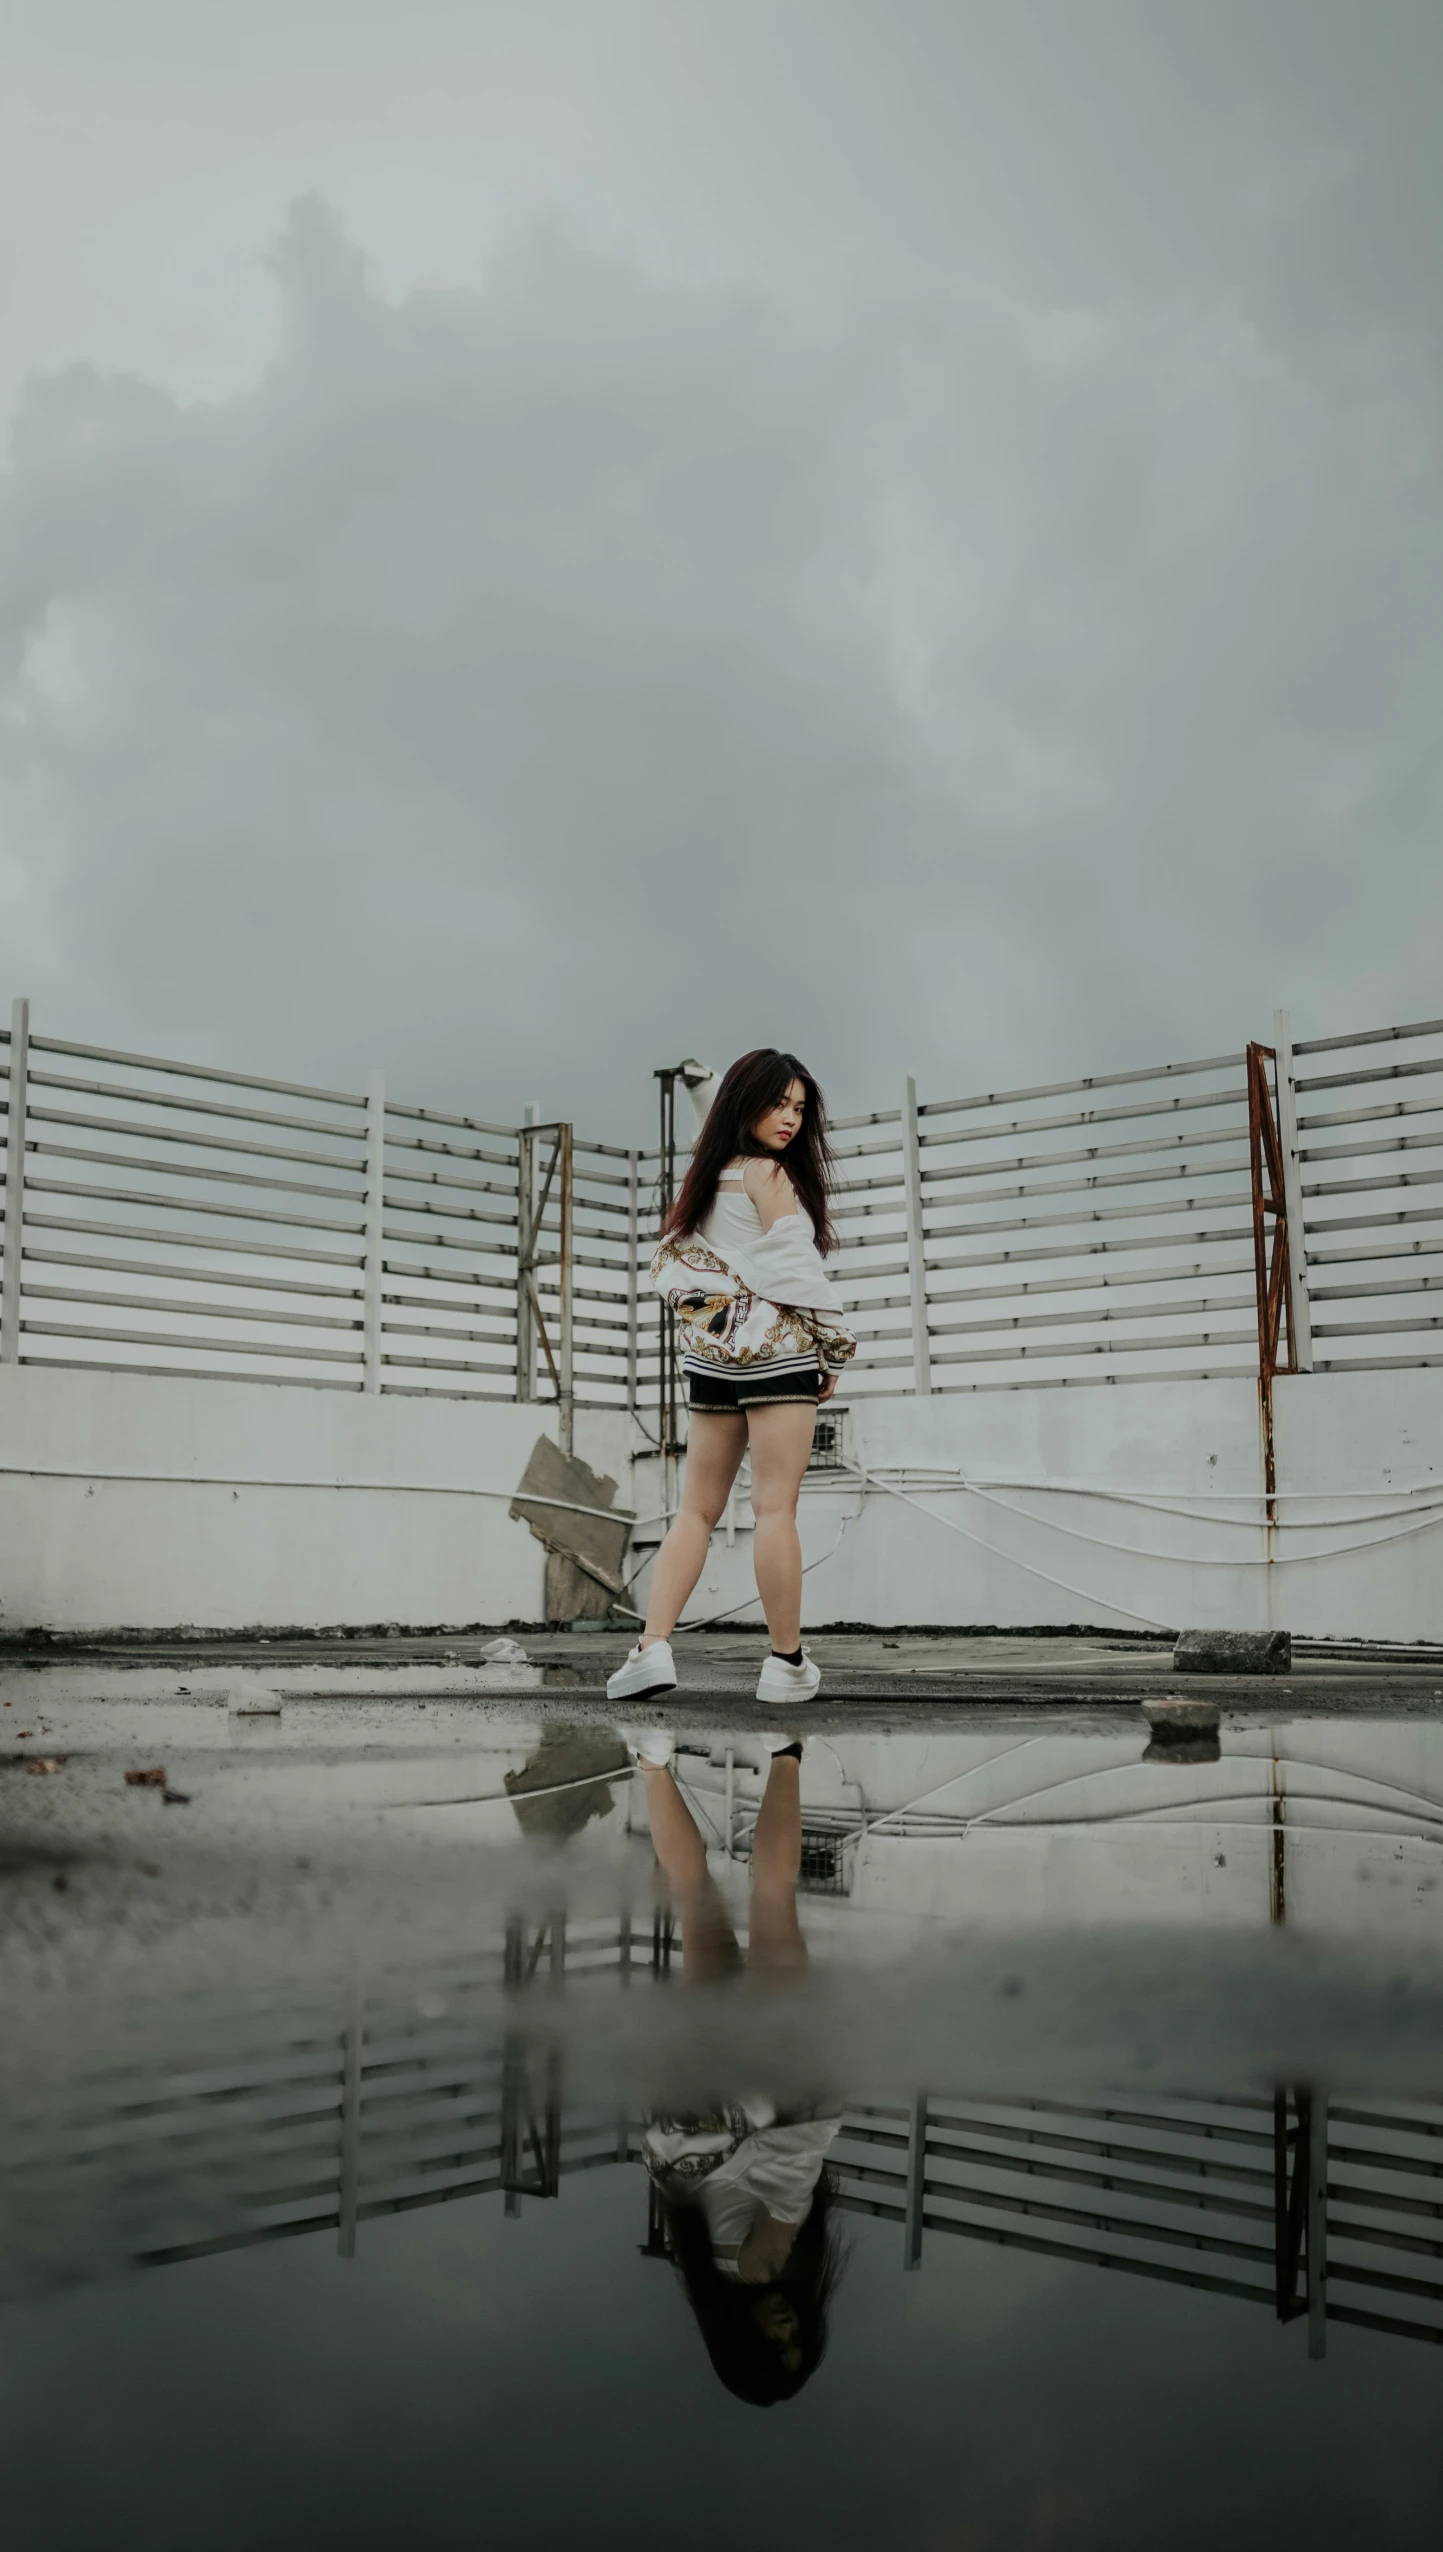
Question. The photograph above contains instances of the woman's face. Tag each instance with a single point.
(776, 2319)
(775, 1130)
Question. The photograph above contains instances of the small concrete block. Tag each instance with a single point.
(1179, 1715)
(1233, 1652)
(256, 1701)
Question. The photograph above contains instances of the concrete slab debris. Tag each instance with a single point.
(1183, 1730)
(585, 1547)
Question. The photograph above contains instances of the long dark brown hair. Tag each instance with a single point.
(749, 2363)
(756, 1082)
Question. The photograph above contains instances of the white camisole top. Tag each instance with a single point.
(783, 1265)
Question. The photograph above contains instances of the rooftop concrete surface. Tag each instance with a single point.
(875, 1673)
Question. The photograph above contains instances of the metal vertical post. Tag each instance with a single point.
(525, 1253)
(663, 1315)
(916, 1248)
(1290, 2196)
(551, 2146)
(375, 1219)
(14, 1181)
(731, 1800)
(566, 1344)
(669, 1391)
(916, 2183)
(1318, 2225)
(1300, 1317)
(655, 2247)
(633, 1277)
(1270, 1267)
(513, 2070)
(513, 2076)
(1282, 2280)
(1278, 1863)
(353, 2043)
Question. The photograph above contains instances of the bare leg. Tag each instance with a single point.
(674, 1832)
(781, 1445)
(708, 1943)
(777, 1946)
(715, 1445)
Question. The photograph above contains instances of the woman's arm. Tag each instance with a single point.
(770, 1190)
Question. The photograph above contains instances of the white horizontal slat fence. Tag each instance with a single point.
(448, 1255)
(1073, 1232)
(170, 1217)
(1370, 1168)
(182, 1219)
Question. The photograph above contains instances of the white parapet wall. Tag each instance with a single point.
(1125, 1508)
(131, 1501)
(1360, 1462)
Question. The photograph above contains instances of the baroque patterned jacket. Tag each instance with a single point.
(726, 1322)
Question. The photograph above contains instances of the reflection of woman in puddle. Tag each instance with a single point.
(744, 2187)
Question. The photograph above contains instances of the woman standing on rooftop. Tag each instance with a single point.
(741, 1263)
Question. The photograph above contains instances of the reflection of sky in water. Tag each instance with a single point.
(324, 2205)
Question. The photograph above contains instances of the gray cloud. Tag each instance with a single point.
(522, 684)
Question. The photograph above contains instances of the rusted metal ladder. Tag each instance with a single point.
(1276, 1345)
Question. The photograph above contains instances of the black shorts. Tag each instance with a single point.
(752, 1386)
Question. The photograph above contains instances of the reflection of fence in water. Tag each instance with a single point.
(1277, 2204)
(314, 2120)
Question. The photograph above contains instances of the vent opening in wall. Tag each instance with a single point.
(829, 1444)
(823, 1870)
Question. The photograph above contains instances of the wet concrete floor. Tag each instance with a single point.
(390, 2059)
(873, 1668)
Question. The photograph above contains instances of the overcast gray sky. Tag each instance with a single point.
(544, 535)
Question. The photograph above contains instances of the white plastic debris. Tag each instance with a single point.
(504, 1652)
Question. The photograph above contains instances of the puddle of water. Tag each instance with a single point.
(426, 2119)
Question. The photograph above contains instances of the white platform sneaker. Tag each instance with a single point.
(650, 1669)
(654, 1746)
(781, 1682)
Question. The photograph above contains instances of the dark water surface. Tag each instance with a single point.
(325, 2206)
